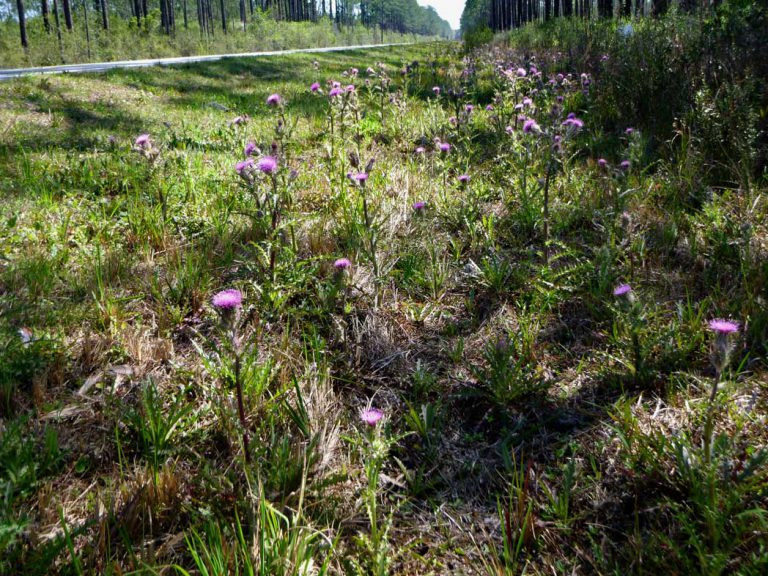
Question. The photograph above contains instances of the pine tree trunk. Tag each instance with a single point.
(104, 14)
(44, 14)
(67, 14)
(223, 17)
(22, 24)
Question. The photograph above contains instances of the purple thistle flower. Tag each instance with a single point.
(489, 108)
(244, 166)
(143, 141)
(464, 178)
(342, 264)
(228, 299)
(315, 87)
(268, 164)
(625, 164)
(419, 206)
(360, 177)
(602, 162)
(436, 90)
(721, 326)
(469, 108)
(521, 73)
(250, 148)
(530, 125)
(444, 147)
(274, 99)
(334, 92)
(629, 131)
(421, 150)
(350, 88)
(622, 290)
(371, 416)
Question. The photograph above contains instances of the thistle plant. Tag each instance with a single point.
(721, 355)
(632, 316)
(228, 304)
(148, 150)
(374, 445)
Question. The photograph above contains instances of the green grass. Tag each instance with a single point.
(521, 433)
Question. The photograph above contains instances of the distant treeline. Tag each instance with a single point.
(219, 16)
(500, 15)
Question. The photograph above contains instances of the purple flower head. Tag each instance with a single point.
(518, 106)
(444, 147)
(421, 150)
(371, 416)
(143, 141)
(464, 178)
(527, 102)
(560, 77)
(342, 264)
(228, 299)
(534, 70)
(560, 99)
(469, 108)
(274, 99)
(370, 71)
(604, 58)
(350, 88)
(335, 84)
(622, 290)
(354, 71)
(244, 166)
(721, 326)
(334, 92)
(602, 162)
(629, 131)
(530, 126)
(521, 73)
(573, 122)
(625, 164)
(489, 108)
(250, 148)
(509, 129)
(571, 116)
(419, 206)
(315, 87)
(436, 90)
(268, 164)
(240, 120)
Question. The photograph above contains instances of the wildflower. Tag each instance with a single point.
(334, 92)
(469, 108)
(530, 125)
(419, 206)
(527, 102)
(573, 122)
(444, 147)
(371, 416)
(464, 178)
(143, 141)
(625, 164)
(354, 71)
(360, 178)
(240, 120)
(521, 73)
(342, 264)
(622, 290)
(228, 299)
(268, 164)
(274, 99)
(489, 108)
(421, 150)
(350, 88)
(720, 326)
(602, 162)
(723, 347)
(244, 166)
(436, 90)
(604, 58)
(370, 71)
(315, 87)
(509, 129)
(250, 148)
(629, 131)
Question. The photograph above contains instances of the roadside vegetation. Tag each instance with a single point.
(418, 310)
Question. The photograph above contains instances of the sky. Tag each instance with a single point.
(448, 9)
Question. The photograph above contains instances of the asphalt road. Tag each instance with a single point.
(5, 74)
